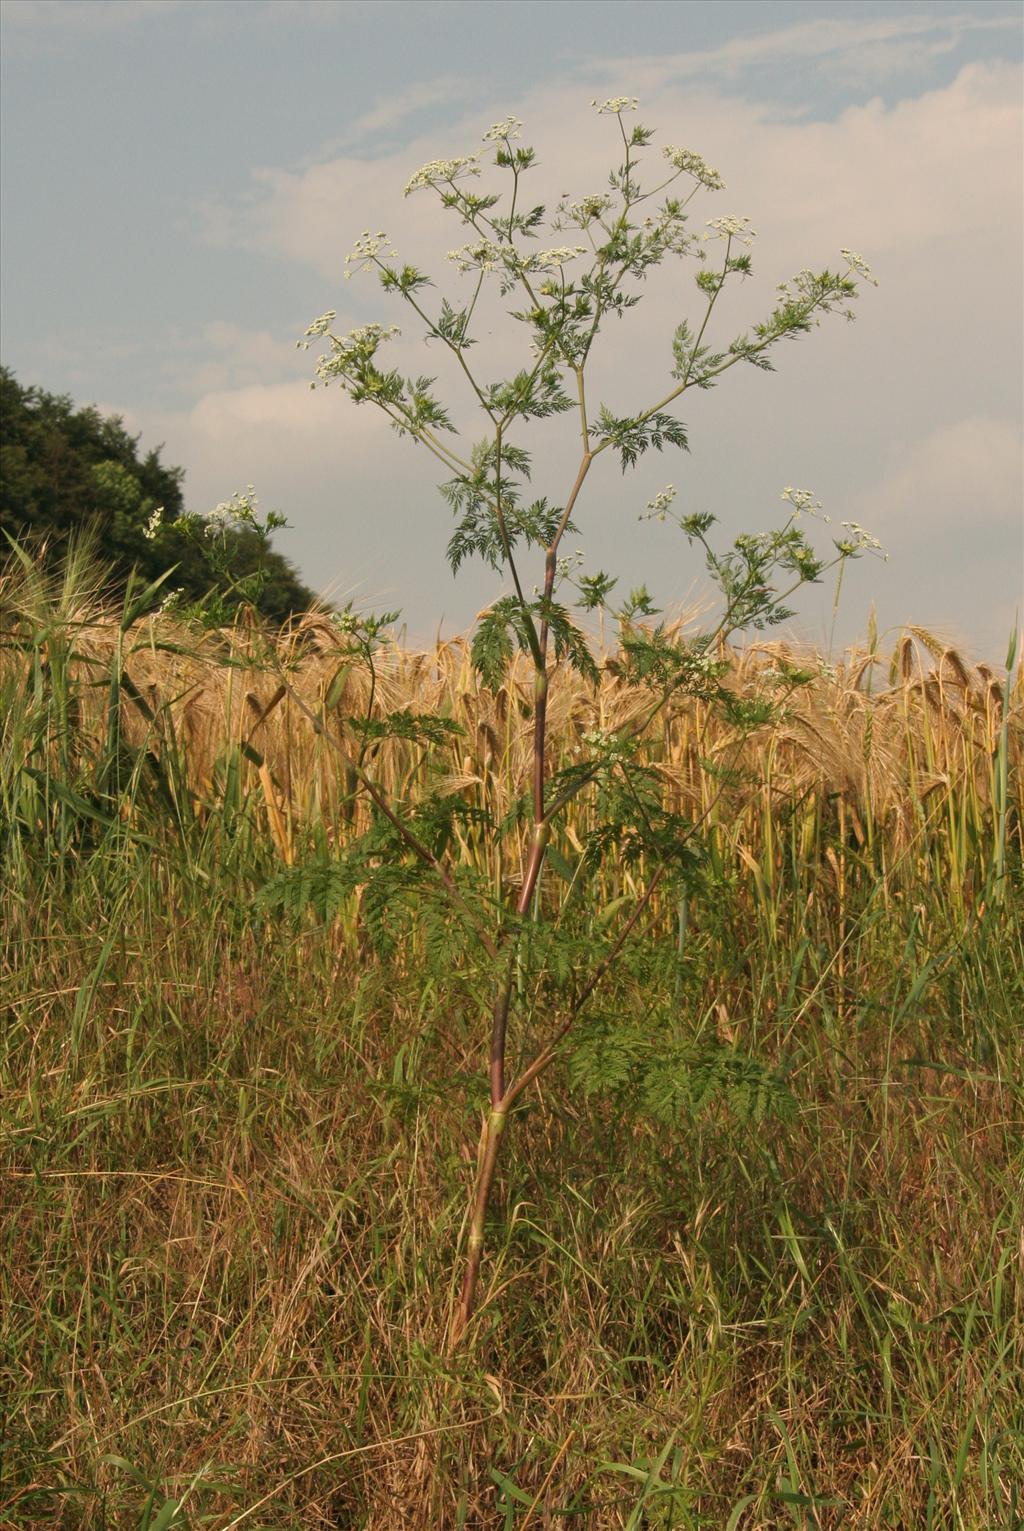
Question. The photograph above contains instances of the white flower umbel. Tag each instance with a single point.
(318, 328)
(232, 515)
(358, 346)
(436, 171)
(566, 566)
(859, 540)
(803, 501)
(550, 260)
(658, 505)
(498, 132)
(695, 165)
(616, 105)
(154, 524)
(365, 251)
(731, 228)
(482, 255)
(584, 211)
(858, 264)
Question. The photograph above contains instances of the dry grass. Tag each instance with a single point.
(235, 1149)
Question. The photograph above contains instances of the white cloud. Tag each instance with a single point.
(968, 476)
(234, 356)
(927, 187)
(892, 44)
(942, 166)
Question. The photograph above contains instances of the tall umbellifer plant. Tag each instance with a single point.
(560, 298)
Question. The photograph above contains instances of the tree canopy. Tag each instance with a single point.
(67, 471)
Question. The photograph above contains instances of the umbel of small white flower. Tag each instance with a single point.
(569, 563)
(365, 249)
(803, 501)
(499, 132)
(695, 165)
(317, 328)
(154, 524)
(231, 514)
(616, 105)
(481, 255)
(860, 541)
(658, 505)
(584, 211)
(547, 260)
(857, 263)
(731, 228)
(436, 171)
(357, 346)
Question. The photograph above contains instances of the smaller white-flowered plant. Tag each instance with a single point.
(802, 286)
(803, 501)
(154, 524)
(498, 132)
(610, 747)
(860, 540)
(585, 210)
(437, 171)
(482, 255)
(345, 621)
(616, 105)
(357, 346)
(365, 251)
(695, 165)
(230, 515)
(549, 260)
(658, 505)
(318, 328)
(857, 263)
(569, 563)
(731, 228)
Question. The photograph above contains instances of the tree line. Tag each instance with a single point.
(68, 472)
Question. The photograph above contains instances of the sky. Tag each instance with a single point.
(181, 182)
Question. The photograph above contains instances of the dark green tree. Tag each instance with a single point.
(67, 471)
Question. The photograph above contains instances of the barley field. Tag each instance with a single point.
(240, 1103)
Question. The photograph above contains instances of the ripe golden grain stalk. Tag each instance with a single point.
(878, 764)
